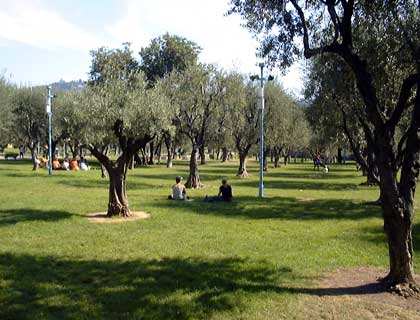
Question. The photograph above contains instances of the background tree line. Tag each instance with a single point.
(132, 111)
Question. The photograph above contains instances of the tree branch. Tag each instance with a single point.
(402, 103)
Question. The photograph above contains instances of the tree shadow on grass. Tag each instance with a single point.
(279, 208)
(377, 236)
(104, 184)
(299, 185)
(14, 216)
(309, 175)
(171, 288)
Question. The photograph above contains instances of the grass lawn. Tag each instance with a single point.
(249, 259)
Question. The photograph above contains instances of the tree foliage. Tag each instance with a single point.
(167, 53)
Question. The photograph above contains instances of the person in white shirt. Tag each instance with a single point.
(179, 192)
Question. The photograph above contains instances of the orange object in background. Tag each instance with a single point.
(56, 164)
(74, 165)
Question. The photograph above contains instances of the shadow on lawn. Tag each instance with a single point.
(316, 184)
(171, 288)
(13, 216)
(279, 208)
(103, 183)
(311, 175)
(377, 236)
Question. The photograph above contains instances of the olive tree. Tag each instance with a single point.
(242, 117)
(29, 118)
(120, 109)
(377, 40)
(197, 93)
(6, 119)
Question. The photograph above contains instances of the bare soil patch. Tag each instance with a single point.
(361, 284)
(101, 217)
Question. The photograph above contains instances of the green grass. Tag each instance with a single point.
(249, 259)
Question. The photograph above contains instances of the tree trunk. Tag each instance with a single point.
(194, 178)
(372, 170)
(276, 153)
(242, 172)
(74, 149)
(202, 155)
(225, 154)
(152, 154)
(159, 153)
(169, 161)
(398, 213)
(340, 156)
(168, 144)
(131, 164)
(103, 171)
(398, 206)
(118, 202)
(266, 151)
(34, 157)
(397, 201)
(277, 161)
(143, 156)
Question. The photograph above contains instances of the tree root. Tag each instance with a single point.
(406, 288)
(243, 175)
(193, 182)
(118, 210)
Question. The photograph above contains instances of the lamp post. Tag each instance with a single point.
(261, 124)
(49, 113)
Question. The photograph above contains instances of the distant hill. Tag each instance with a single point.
(76, 85)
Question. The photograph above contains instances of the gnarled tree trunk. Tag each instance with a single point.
(398, 214)
(34, 157)
(276, 152)
(118, 202)
(225, 154)
(266, 152)
(242, 171)
(193, 181)
(202, 155)
(169, 148)
(277, 161)
(152, 153)
(372, 167)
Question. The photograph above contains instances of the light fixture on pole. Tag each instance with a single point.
(49, 113)
(261, 124)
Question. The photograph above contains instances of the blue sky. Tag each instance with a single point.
(43, 41)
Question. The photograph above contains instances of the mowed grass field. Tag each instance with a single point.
(249, 259)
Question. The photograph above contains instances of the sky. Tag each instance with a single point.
(43, 41)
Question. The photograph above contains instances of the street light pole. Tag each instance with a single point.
(261, 146)
(49, 113)
(261, 123)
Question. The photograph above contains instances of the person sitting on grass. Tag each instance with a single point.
(84, 164)
(43, 162)
(225, 193)
(56, 164)
(179, 192)
(65, 165)
(74, 165)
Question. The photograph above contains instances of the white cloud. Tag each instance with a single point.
(130, 27)
(32, 23)
(223, 39)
